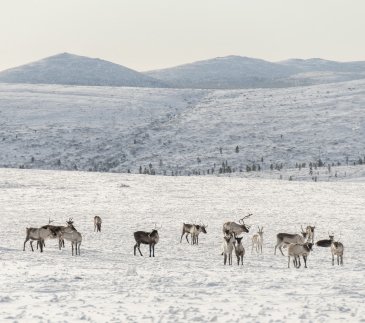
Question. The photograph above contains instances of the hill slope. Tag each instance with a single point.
(231, 72)
(180, 131)
(234, 72)
(72, 69)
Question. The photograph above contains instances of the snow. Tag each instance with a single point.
(233, 72)
(183, 282)
(116, 129)
(73, 69)
(230, 72)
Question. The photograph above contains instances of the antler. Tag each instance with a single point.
(339, 237)
(158, 227)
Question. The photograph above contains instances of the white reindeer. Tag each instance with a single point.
(75, 238)
(258, 240)
(310, 233)
(337, 250)
(228, 245)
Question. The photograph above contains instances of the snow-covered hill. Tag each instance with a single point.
(180, 131)
(234, 72)
(77, 70)
(226, 73)
(185, 283)
(230, 72)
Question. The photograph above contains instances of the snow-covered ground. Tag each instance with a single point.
(183, 283)
(116, 129)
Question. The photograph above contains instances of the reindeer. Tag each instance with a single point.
(187, 229)
(97, 223)
(237, 228)
(286, 238)
(258, 240)
(296, 250)
(239, 250)
(326, 242)
(38, 234)
(310, 233)
(228, 245)
(75, 238)
(150, 238)
(197, 229)
(59, 230)
(337, 250)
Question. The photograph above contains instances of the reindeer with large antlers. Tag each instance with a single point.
(237, 228)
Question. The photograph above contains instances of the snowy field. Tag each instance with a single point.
(116, 129)
(183, 283)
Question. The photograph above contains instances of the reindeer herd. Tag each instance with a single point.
(298, 245)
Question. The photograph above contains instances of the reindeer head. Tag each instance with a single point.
(203, 228)
(155, 230)
(331, 235)
(309, 246)
(70, 222)
(244, 226)
(261, 231)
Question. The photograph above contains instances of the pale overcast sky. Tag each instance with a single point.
(150, 34)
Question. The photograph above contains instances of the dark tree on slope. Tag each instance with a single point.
(237, 149)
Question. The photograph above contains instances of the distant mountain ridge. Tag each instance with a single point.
(230, 72)
(70, 69)
(235, 72)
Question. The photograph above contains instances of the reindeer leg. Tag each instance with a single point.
(138, 246)
(153, 249)
(182, 235)
(333, 260)
(26, 239)
(225, 259)
(41, 245)
(338, 260)
(281, 250)
(187, 238)
(31, 244)
(305, 261)
(289, 261)
(72, 246)
(150, 249)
